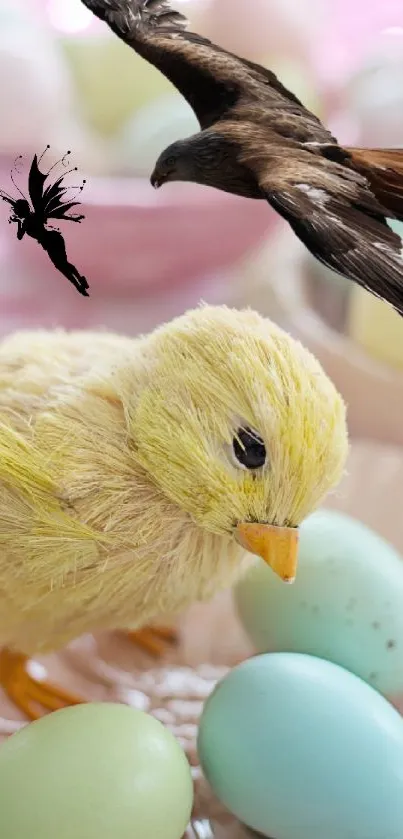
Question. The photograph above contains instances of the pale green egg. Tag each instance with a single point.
(111, 81)
(96, 771)
(298, 748)
(346, 604)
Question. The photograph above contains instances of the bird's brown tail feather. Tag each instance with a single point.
(383, 168)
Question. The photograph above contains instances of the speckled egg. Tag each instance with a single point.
(96, 771)
(299, 748)
(345, 605)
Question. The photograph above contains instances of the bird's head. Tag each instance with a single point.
(240, 427)
(200, 159)
(174, 164)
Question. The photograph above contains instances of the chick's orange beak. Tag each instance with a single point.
(278, 546)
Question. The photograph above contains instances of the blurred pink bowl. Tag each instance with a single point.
(136, 240)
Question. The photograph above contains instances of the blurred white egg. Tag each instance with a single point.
(36, 102)
(150, 131)
(375, 94)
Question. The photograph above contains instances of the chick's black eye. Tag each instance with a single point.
(249, 449)
(170, 161)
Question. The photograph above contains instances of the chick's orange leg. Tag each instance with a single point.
(154, 640)
(32, 696)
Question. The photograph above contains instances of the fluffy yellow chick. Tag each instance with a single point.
(132, 471)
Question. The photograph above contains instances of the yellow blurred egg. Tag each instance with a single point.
(96, 771)
(375, 326)
(345, 605)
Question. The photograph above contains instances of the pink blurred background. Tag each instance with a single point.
(147, 255)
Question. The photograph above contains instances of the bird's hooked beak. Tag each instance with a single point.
(277, 546)
(156, 181)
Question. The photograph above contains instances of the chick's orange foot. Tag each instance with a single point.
(33, 696)
(154, 640)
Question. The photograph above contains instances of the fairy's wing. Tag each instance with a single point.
(47, 201)
(36, 184)
(58, 209)
(54, 205)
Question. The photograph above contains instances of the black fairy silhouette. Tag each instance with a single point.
(48, 201)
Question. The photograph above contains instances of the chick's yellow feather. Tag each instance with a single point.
(119, 488)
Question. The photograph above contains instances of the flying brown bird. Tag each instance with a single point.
(258, 140)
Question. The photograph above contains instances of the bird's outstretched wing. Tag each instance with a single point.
(212, 80)
(334, 213)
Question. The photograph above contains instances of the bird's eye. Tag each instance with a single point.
(170, 162)
(249, 449)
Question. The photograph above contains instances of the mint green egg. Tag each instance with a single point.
(345, 606)
(96, 771)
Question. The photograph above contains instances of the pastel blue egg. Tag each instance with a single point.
(299, 748)
(346, 604)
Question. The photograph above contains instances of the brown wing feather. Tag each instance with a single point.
(334, 213)
(214, 82)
